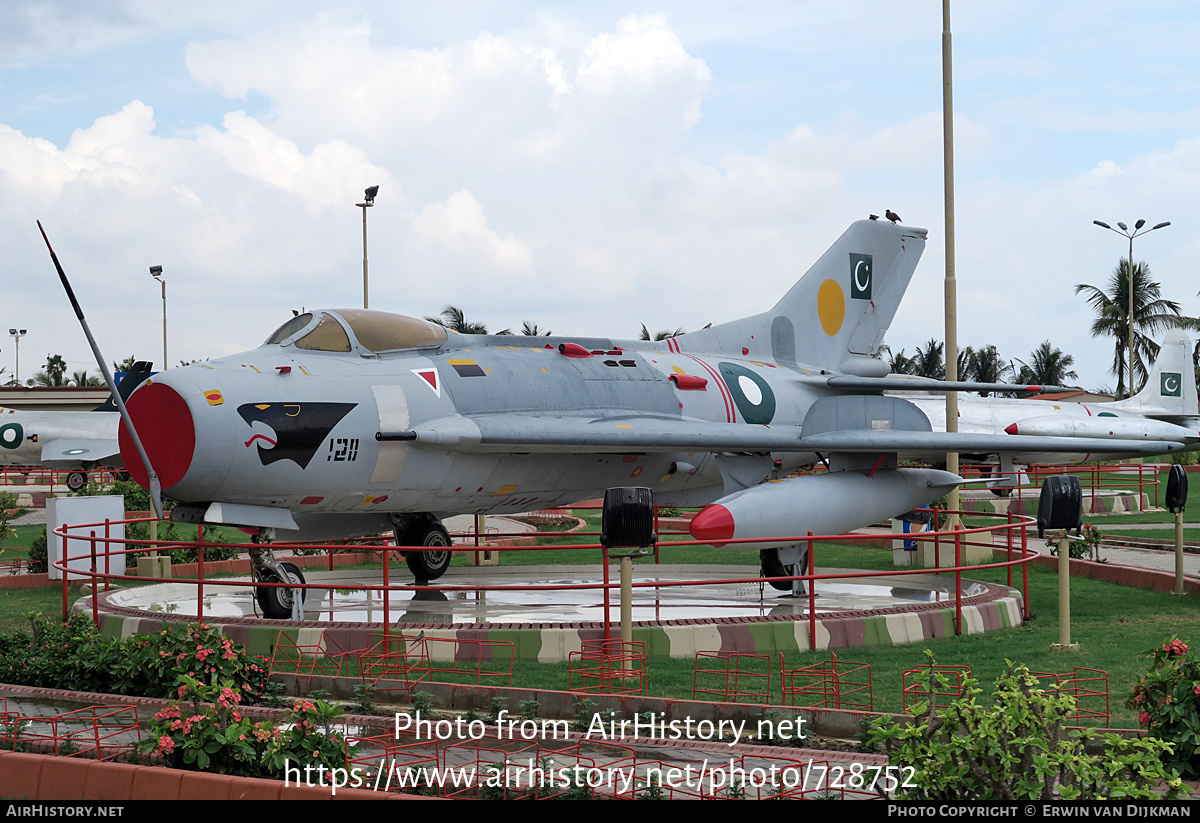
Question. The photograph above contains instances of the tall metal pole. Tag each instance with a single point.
(366, 301)
(368, 201)
(1124, 231)
(951, 288)
(1129, 341)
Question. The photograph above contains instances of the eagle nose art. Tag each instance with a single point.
(165, 426)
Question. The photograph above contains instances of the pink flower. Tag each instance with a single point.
(166, 745)
(1144, 719)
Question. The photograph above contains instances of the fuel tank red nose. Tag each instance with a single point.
(165, 426)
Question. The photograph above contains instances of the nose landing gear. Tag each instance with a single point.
(275, 601)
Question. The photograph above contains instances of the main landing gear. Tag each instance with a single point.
(275, 601)
(788, 561)
(423, 530)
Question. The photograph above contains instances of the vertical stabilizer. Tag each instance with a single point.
(835, 317)
(1171, 387)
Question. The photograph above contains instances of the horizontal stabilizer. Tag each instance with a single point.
(70, 453)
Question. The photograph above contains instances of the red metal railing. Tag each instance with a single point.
(91, 546)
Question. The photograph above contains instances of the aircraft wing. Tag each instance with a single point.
(68, 453)
(535, 433)
(856, 383)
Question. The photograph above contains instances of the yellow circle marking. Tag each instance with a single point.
(831, 306)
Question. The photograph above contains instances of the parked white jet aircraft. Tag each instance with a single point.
(1165, 409)
(79, 440)
(351, 422)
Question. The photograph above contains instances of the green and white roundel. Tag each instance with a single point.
(752, 394)
(11, 436)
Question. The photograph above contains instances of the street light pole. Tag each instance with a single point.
(1125, 232)
(157, 273)
(16, 336)
(368, 201)
(950, 283)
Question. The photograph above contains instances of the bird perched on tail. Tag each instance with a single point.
(891, 215)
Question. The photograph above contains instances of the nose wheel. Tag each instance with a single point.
(275, 601)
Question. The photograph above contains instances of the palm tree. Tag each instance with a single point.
(534, 330)
(452, 317)
(124, 365)
(52, 374)
(1047, 366)
(982, 366)
(900, 363)
(662, 335)
(82, 378)
(929, 360)
(1151, 316)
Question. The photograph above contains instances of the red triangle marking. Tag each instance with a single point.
(430, 376)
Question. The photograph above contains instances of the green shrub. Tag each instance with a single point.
(1167, 700)
(1015, 749)
(219, 738)
(73, 655)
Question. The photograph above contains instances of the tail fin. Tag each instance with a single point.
(1171, 389)
(835, 317)
(132, 379)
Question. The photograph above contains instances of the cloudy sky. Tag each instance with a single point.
(586, 166)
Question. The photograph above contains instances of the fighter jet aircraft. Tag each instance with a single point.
(77, 440)
(1165, 409)
(350, 421)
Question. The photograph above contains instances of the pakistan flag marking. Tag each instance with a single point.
(1171, 384)
(860, 276)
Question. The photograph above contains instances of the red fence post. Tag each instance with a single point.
(95, 586)
(812, 596)
(958, 581)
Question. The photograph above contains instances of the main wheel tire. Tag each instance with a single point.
(76, 480)
(771, 567)
(276, 602)
(428, 565)
(987, 472)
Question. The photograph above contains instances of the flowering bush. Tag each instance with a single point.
(218, 738)
(73, 655)
(1167, 701)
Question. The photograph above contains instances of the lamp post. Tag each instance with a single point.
(1124, 231)
(16, 336)
(157, 273)
(368, 201)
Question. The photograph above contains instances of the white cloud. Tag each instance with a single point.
(459, 227)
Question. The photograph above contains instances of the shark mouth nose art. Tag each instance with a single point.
(165, 426)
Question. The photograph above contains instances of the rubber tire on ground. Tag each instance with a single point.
(771, 567)
(987, 472)
(276, 603)
(427, 566)
(76, 480)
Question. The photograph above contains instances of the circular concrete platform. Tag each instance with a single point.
(551, 620)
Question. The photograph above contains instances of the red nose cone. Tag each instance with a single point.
(1012, 428)
(714, 524)
(165, 426)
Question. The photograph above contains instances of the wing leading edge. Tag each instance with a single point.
(533, 433)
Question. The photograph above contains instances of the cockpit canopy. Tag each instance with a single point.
(363, 330)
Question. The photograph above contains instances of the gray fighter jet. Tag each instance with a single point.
(349, 422)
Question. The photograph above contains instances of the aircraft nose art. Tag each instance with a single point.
(167, 431)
